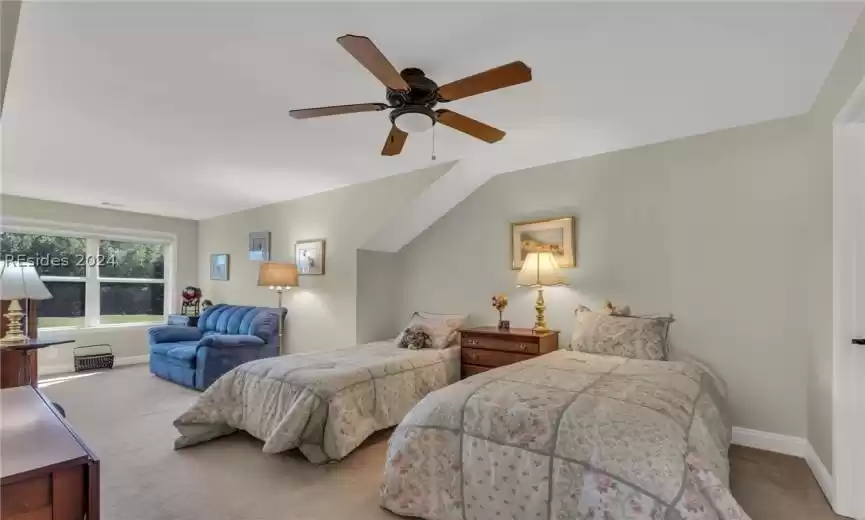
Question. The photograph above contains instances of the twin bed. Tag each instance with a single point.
(325, 404)
(565, 435)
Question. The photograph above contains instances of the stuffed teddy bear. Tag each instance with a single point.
(616, 311)
(415, 338)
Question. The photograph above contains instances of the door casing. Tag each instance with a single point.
(848, 413)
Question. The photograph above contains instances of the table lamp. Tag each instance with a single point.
(19, 281)
(278, 277)
(540, 270)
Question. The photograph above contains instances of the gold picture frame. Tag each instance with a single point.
(557, 235)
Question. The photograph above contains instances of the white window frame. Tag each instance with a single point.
(92, 236)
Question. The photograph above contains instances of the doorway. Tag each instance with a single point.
(849, 308)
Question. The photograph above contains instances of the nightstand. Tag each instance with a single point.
(485, 348)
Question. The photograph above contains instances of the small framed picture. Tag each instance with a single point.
(219, 267)
(557, 235)
(309, 256)
(259, 246)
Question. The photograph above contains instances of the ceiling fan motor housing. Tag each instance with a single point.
(422, 90)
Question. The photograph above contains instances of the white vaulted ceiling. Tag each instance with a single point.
(182, 108)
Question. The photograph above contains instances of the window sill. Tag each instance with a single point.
(58, 331)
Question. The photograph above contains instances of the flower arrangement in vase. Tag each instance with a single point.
(191, 298)
(500, 301)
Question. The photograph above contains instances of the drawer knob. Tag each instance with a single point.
(523, 347)
(474, 342)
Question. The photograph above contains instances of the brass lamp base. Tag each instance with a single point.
(540, 320)
(280, 326)
(14, 333)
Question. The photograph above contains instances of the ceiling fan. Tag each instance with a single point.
(411, 96)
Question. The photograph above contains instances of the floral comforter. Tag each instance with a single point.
(567, 435)
(324, 403)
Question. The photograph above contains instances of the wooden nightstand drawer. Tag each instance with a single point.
(30, 498)
(491, 358)
(485, 348)
(470, 370)
(524, 345)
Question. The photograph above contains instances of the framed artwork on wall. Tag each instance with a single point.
(309, 256)
(556, 235)
(219, 267)
(259, 246)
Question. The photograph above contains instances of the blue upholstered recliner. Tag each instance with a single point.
(226, 336)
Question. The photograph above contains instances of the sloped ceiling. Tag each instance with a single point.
(181, 109)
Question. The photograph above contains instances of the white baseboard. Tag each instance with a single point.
(786, 444)
(48, 370)
(824, 478)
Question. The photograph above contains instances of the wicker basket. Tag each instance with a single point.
(93, 357)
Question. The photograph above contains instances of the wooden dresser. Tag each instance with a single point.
(47, 473)
(484, 348)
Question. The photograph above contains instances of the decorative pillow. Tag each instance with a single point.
(415, 338)
(626, 336)
(443, 329)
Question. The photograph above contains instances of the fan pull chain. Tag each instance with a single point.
(434, 142)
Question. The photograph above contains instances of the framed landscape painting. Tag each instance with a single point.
(219, 267)
(309, 256)
(555, 235)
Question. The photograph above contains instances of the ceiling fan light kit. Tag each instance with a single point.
(413, 119)
(411, 96)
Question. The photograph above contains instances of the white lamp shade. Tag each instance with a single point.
(276, 274)
(413, 123)
(20, 281)
(540, 269)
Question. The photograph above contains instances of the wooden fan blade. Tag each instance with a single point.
(306, 113)
(493, 79)
(370, 57)
(469, 126)
(395, 141)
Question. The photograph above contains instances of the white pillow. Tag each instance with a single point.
(443, 329)
(640, 337)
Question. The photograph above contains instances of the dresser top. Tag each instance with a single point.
(495, 331)
(33, 437)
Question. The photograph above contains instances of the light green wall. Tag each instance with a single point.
(323, 312)
(714, 229)
(848, 72)
(378, 313)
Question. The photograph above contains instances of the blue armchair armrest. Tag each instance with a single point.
(172, 333)
(230, 340)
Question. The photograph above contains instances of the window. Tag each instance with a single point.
(131, 282)
(57, 259)
(94, 280)
(66, 308)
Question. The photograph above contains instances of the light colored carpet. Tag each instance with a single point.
(125, 416)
